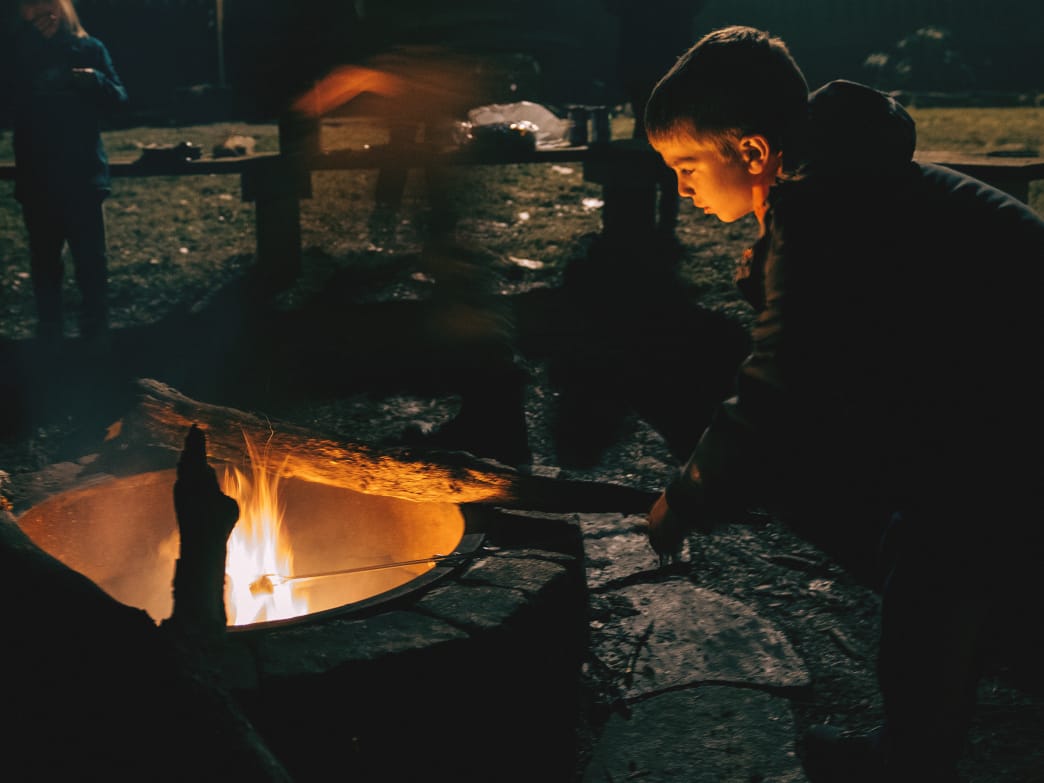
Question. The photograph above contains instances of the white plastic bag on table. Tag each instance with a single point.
(552, 130)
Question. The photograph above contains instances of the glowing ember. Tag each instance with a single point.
(258, 546)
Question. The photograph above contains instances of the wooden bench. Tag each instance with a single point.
(275, 182)
(1010, 173)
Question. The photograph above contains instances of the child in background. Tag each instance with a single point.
(59, 83)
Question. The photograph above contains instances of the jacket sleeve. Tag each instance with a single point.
(726, 470)
(112, 94)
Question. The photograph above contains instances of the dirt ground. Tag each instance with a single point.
(591, 412)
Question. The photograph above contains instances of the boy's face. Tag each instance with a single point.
(44, 15)
(720, 185)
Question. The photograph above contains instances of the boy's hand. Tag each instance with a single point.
(666, 531)
(84, 78)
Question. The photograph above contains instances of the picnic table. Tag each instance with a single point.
(276, 182)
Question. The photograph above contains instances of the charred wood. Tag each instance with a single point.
(205, 518)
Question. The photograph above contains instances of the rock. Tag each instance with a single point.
(709, 734)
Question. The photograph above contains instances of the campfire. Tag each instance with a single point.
(298, 548)
(258, 549)
(262, 583)
(415, 571)
(324, 526)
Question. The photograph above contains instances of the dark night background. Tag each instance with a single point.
(555, 52)
(559, 51)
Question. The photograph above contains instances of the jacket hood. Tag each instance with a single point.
(853, 127)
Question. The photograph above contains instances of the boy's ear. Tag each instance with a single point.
(755, 151)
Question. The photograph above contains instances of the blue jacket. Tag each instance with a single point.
(57, 123)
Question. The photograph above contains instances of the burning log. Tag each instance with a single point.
(163, 414)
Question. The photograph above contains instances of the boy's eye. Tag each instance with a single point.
(685, 172)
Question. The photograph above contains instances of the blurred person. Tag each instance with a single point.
(889, 407)
(58, 86)
(469, 330)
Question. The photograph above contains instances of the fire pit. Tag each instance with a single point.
(435, 631)
(418, 655)
(321, 549)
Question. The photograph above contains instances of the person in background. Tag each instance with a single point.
(652, 34)
(892, 379)
(58, 85)
(469, 330)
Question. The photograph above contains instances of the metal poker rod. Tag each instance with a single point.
(266, 583)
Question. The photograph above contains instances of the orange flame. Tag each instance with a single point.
(258, 546)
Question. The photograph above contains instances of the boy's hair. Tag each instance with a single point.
(70, 19)
(733, 82)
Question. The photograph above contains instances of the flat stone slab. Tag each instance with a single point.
(674, 633)
(657, 632)
(687, 664)
(707, 734)
(615, 547)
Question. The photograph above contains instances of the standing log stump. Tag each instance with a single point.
(205, 518)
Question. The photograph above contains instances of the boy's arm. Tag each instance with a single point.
(724, 473)
(102, 78)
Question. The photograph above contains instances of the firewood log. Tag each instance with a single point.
(162, 415)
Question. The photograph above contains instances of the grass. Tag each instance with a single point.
(981, 130)
(985, 130)
(174, 239)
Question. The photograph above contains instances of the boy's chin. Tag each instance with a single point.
(725, 217)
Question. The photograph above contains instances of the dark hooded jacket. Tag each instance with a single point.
(57, 125)
(895, 354)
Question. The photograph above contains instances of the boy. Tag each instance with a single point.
(892, 374)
